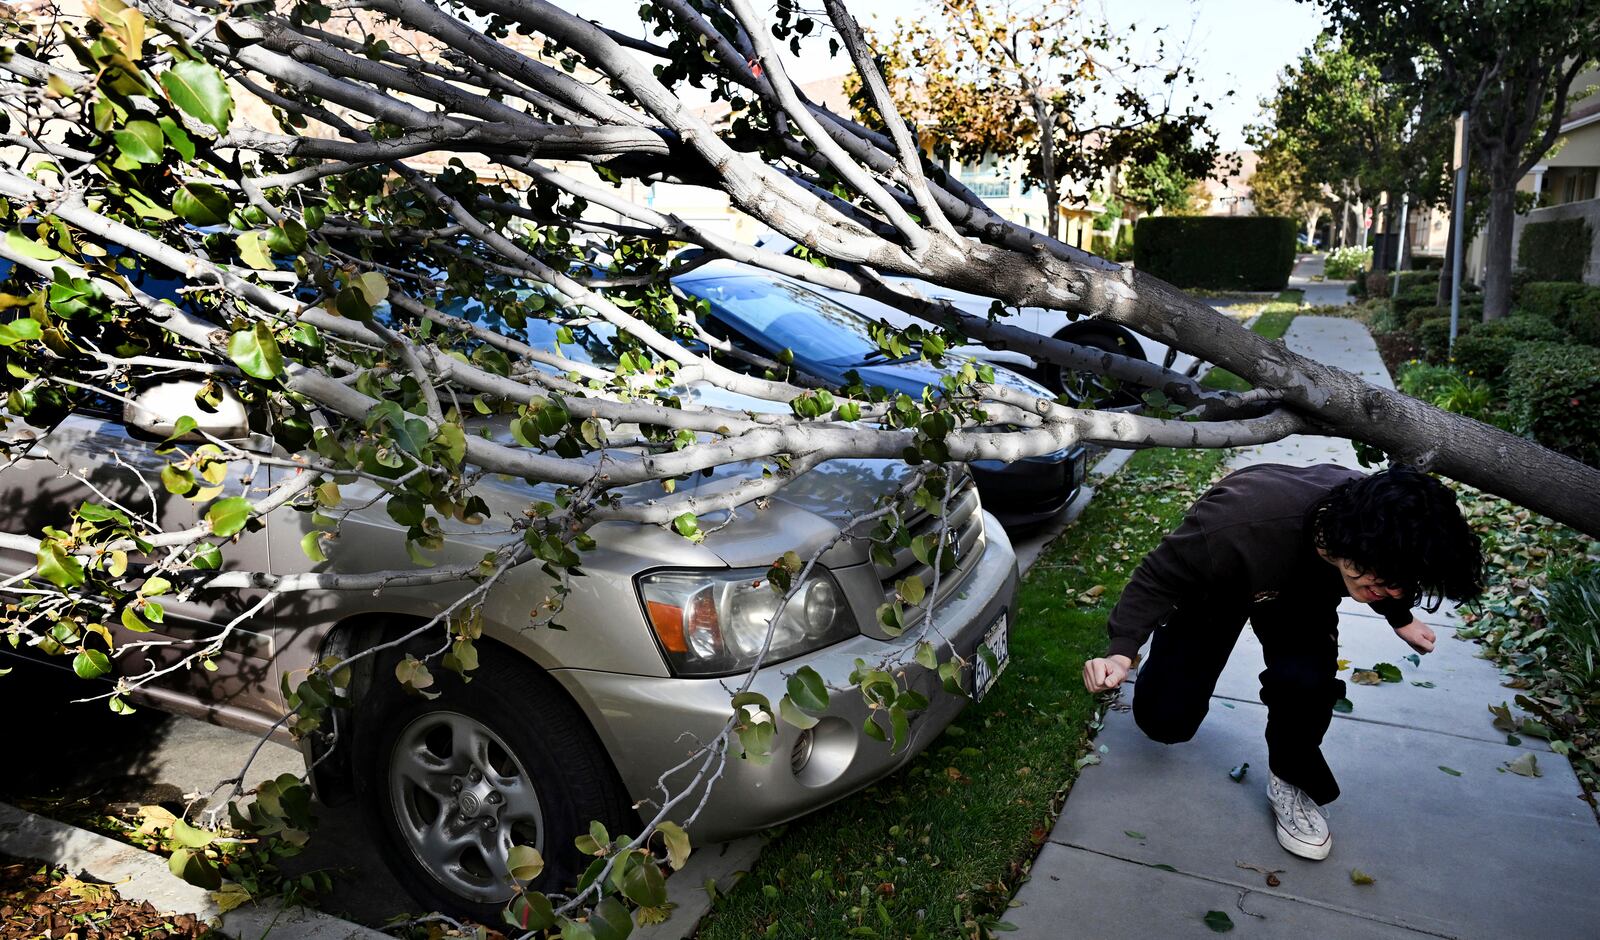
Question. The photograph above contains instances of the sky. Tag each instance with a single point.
(1237, 45)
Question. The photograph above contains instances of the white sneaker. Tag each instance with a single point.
(1301, 826)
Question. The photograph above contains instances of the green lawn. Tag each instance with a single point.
(1272, 323)
(938, 849)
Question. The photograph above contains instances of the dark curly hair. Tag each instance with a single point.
(1403, 526)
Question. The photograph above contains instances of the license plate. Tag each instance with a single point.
(993, 655)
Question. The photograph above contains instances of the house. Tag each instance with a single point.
(1566, 183)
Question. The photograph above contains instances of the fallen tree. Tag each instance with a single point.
(357, 258)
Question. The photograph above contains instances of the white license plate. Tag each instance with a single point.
(993, 655)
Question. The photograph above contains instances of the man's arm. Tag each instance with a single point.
(1178, 568)
(1418, 635)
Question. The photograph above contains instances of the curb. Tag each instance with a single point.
(143, 876)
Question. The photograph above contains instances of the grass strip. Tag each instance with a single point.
(938, 849)
(1272, 323)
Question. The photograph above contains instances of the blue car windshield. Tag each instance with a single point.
(595, 342)
(779, 315)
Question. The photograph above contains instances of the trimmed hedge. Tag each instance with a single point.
(1217, 253)
(1553, 390)
(1555, 250)
(1433, 335)
(1415, 316)
(1486, 353)
(1549, 299)
(1583, 317)
(1410, 279)
(1411, 298)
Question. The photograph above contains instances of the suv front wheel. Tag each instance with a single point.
(454, 782)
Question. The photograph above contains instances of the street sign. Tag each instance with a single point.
(1458, 157)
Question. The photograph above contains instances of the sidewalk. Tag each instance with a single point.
(1154, 837)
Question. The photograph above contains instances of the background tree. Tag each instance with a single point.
(1050, 84)
(318, 261)
(1511, 65)
(1281, 186)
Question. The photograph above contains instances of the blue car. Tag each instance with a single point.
(769, 314)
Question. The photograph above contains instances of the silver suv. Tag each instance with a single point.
(558, 726)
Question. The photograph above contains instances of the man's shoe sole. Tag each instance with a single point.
(1293, 846)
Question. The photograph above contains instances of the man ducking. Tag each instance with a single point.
(1280, 546)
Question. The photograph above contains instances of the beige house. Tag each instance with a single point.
(1566, 183)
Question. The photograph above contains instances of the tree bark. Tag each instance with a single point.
(1447, 273)
(1497, 245)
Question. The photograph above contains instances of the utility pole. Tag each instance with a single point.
(1400, 245)
(1460, 226)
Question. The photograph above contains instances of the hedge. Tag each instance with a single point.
(1486, 353)
(1555, 250)
(1433, 335)
(1549, 299)
(1553, 390)
(1411, 298)
(1217, 253)
(1414, 317)
(1410, 279)
(1583, 317)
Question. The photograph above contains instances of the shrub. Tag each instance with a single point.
(1583, 317)
(1412, 297)
(1218, 253)
(1572, 612)
(1381, 317)
(1415, 316)
(1434, 336)
(1549, 299)
(1489, 349)
(1555, 250)
(1410, 279)
(1553, 391)
(1424, 380)
(1376, 284)
(1344, 264)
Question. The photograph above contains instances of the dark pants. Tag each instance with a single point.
(1172, 692)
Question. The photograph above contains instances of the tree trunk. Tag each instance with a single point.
(1497, 244)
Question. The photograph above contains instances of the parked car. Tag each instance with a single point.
(773, 315)
(1085, 331)
(558, 726)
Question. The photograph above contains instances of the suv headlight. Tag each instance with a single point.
(715, 622)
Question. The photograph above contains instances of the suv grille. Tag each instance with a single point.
(965, 532)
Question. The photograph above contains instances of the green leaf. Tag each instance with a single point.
(191, 837)
(176, 481)
(808, 690)
(1344, 706)
(925, 655)
(311, 544)
(524, 862)
(644, 885)
(91, 664)
(18, 331)
(154, 587)
(610, 920)
(202, 204)
(254, 251)
(228, 516)
(195, 868)
(677, 843)
(872, 730)
(1388, 672)
(57, 565)
(131, 621)
(198, 90)
(1422, 685)
(178, 138)
(1359, 877)
(141, 141)
(688, 527)
(912, 589)
(1218, 921)
(531, 911)
(1450, 770)
(1237, 773)
(793, 715)
(256, 352)
(1132, 835)
(21, 244)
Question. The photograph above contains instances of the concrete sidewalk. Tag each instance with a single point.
(1154, 837)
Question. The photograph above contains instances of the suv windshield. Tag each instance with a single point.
(780, 315)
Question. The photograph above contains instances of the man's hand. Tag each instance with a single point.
(1103, 675)
(1417, 635)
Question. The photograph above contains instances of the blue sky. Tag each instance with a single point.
(1237, 45)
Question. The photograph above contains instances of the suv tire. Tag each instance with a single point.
(502, 760)
(1095, 391)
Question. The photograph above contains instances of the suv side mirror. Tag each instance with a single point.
(155, 411)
